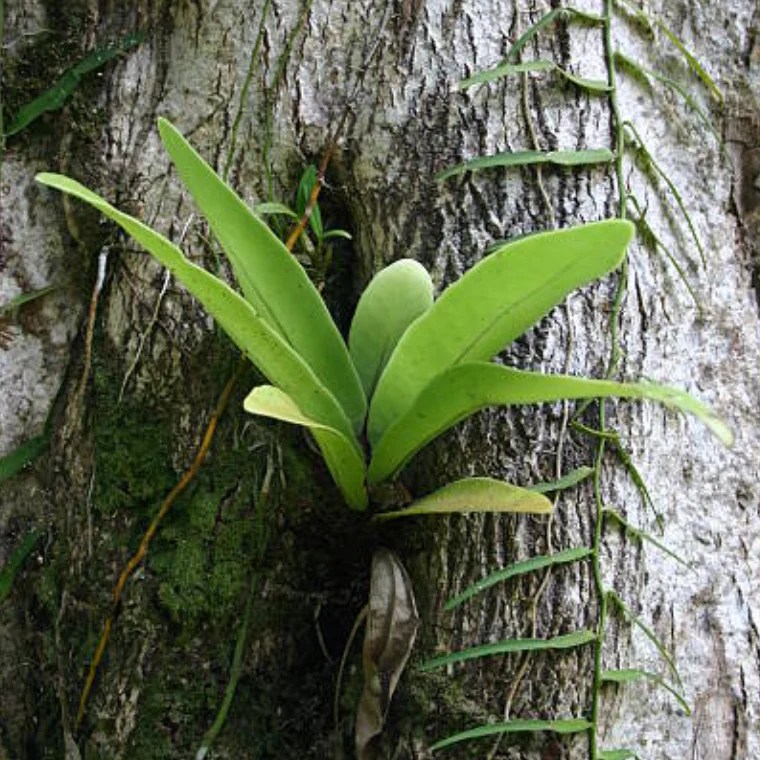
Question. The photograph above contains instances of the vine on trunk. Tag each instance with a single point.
(626, 139)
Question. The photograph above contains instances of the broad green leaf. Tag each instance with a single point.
(491, 305)
(618, 754)
(344, 462)
(509, 646)
(474, 495)
(630, 675)
(58, 94)
(396, 296)
(467, 388)
(22, 455)
(252, 334)
(271, 279)
(566, 481)
(531, 158)
(563, 726)
(519, 568)
(508, 69)
(15, 563)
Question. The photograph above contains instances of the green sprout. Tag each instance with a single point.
(414, 366)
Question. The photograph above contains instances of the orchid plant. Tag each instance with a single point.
(413, 365)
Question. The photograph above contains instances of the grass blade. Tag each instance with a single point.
(491, 305)
(509, 646)
(631, 675)
(53, 98)
(15, 563)
(474, 495)
(466, 388)
(618, 754)
(531, 158)
(344, 462)
(270, 277)
(562, 726)
(519, 568)
(566, 481)
(245, 327)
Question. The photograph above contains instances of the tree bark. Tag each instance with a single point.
(128, 407)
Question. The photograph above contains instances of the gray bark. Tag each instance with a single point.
(113, 456)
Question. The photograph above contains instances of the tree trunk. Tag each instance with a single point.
(262, 520)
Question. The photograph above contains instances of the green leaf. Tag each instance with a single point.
(24, 298)
(15, 563)
(505, 69)
(58, 94)
(647, 631)
(344, 462)
(11, 464)
(491, 305)
(474, 495)
(693, 63)
(531, 158)
(266, 209)
(305, 187)
(580, 157)
(630, 675)
(508, 69)
(563, 726)
(519, 568)
(566, 481)
(271, 279)
(509, 646)
(395, 297)
(550, 18)
(252, 334)
(649, 161)
(644, 74)
(617, 754)
(344, 234)
(466, 388)
(642, 535)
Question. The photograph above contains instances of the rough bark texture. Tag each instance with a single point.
(115, 453)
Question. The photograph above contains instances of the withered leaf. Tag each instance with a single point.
(392, 623)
